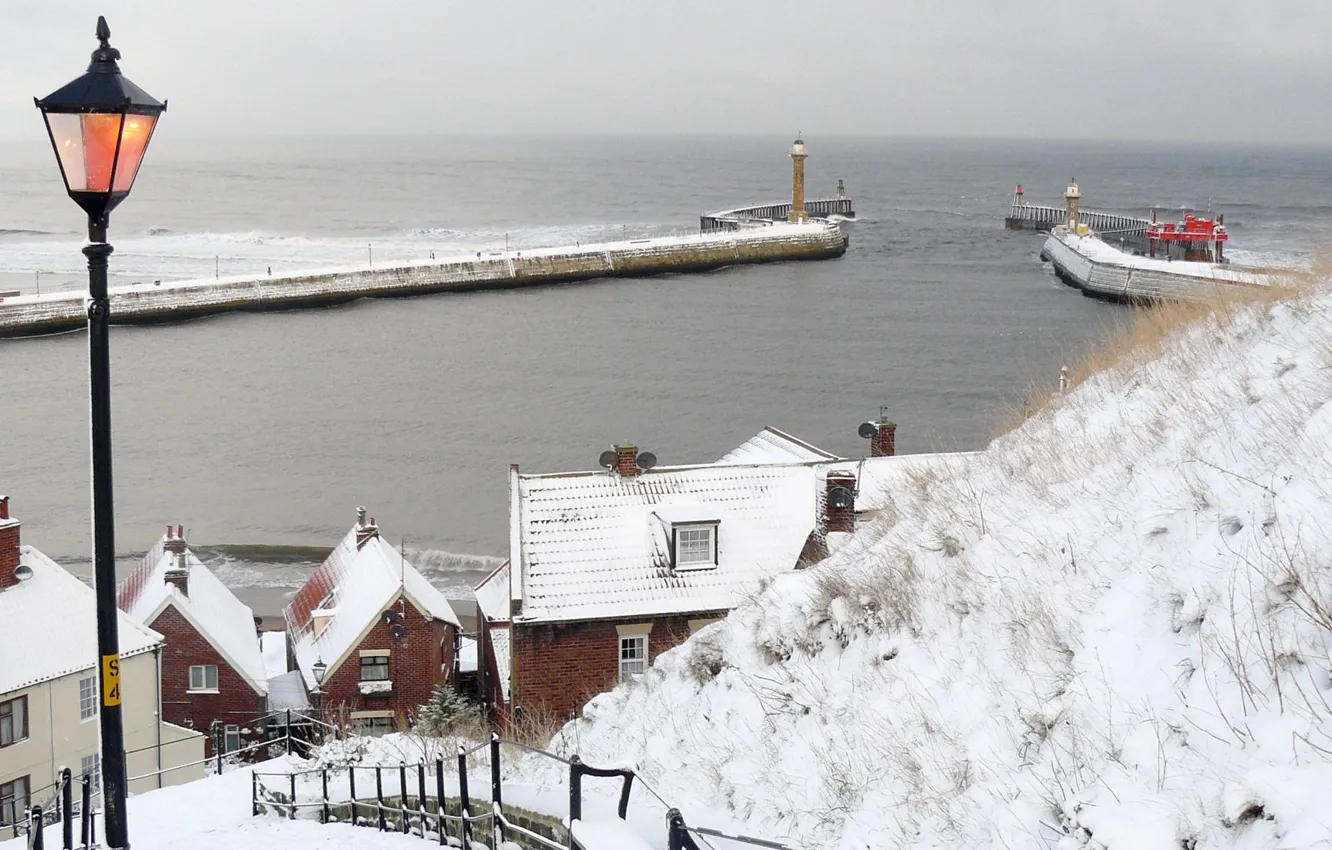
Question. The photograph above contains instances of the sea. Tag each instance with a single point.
(261, 433)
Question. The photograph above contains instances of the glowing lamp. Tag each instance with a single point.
(319, 669)
(100, 125)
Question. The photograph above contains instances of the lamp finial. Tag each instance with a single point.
(105, 56)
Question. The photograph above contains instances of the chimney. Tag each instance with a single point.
(9, 546)
(364, 530)
(179, 572)
(839, 506)
(626, 460)
(884, 441)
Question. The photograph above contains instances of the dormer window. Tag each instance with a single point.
(694, 545)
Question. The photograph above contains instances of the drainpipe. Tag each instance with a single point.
(157, 662)
(50, 718)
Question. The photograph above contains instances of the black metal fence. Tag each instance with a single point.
(435, 818)
(64, 811)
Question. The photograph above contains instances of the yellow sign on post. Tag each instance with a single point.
(110, 680)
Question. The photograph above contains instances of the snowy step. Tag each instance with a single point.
(609, 834)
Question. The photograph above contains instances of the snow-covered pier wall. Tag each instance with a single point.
(30, 315)
(1103, 271)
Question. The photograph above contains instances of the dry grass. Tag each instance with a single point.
(1143, 332)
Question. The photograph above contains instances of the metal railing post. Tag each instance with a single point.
(85, 813)
(36, 829)
(420, 794)
(254, 795)
(219, 744)
(496, 800)
(439, 797)
(379, 797)
(575, 789)
(292, 776)
(402, 795)
(464, 798)
(675, 830)
(289, 731)
(66, 809)
(351, 783)
(324, 811)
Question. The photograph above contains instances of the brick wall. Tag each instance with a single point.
(234, 703)
(415, 662)
(557, 667)
(9, 553)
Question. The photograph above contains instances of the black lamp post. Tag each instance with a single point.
(100, 125)
(319, 669)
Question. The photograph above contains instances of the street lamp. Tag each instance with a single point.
(99, 126)
(319, 669)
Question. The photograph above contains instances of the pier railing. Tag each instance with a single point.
(762, 215)
(403, 802)
(1025, 216)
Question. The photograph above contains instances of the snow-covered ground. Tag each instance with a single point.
(1109, 630)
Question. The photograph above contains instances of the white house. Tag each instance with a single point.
(48, 687)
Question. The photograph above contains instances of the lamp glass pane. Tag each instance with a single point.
(100, 134)
(67, 132)
(134, 137)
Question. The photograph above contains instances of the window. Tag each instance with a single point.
(203, 677)
(232, 742)
(91, 766)
(374, 668)
(633, 655)
(13, 801)
(13, 721)
(87, 697)
(695, 546)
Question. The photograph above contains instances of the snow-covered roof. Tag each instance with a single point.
(48, 626)
(286, 691)
(593, 545)
(352, 588)
(273, 646)
(492, 594)
(499, 639)
(773, 446)
(879, 478)
(214, 611)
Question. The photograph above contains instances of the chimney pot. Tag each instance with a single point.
(4, 507)
(626, 460)
(360, 515)
(168, 532)
(180, 532)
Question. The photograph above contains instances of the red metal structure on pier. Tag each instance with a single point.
(1194, 239)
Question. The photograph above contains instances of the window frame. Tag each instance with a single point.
(95, 772)
(15, 811)
(16, 735)
(88, 703)
(375, 662)
(373, 727)
(641, 640)
(707, 563)
(231, 734)
(206, 688)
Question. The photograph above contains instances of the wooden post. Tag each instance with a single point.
(254, 795)
(420, 794)
(36, 829)
(85, 813)
(324, 812)
(464, 798)
(575, 789)
(292, 776)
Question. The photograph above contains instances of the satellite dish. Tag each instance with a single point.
(646, 460)
(841, 498)
(23, 572)
(867, 430)
(608, 459)
(397, 630)
(390, 616)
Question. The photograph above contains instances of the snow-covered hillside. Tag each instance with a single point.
(1111, 630)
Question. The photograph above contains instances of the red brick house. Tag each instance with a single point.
(385, 636)
(212, 668)
(609, 569)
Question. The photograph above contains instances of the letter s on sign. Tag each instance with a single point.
(110, 680)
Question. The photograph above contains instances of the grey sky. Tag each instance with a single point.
(1238, 70)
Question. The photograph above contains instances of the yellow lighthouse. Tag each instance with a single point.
(798, 181)
(1071, 198)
